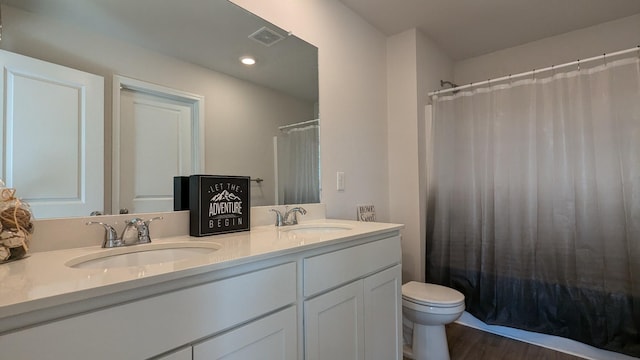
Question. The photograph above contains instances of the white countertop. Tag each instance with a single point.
(42, 280)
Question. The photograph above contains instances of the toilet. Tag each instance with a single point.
(430, 307)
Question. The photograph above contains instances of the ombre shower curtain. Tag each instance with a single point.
(534, 205)
(299, 165)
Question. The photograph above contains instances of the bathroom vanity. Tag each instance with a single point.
(323, 289)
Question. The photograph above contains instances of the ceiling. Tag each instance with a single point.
(192, 29)
(469, 28)
(210, 33)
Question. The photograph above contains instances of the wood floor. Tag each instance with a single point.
(467, 343)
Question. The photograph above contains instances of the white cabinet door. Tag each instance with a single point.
(182, 354)
(271, 338)
(360, 320)
(52, 136)
(383, 315)
(334, 324)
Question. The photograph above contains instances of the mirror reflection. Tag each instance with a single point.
(259, 120)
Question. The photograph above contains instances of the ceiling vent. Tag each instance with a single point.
(266, 36)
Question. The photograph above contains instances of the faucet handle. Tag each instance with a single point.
(290, 217)
(110, 234)
(136, 231)
(279, 218)
(131, 231)
(143, 230)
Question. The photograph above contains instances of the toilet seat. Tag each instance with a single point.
(431, 295)
(429, 307)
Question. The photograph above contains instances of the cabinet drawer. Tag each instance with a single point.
(272, 338)
(148, 327)
(329, 270)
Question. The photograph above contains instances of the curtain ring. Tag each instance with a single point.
(578, 64)
(604, 59)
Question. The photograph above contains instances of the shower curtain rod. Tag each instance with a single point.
(534, 71)
(284, 127)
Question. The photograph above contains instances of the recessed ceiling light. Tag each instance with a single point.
(248, 60)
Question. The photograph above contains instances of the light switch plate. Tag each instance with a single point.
(340, 181)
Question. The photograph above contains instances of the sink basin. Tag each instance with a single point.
(317, 228)
(139, 255)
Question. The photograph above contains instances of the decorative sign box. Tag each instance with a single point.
(366, 213)
(218, 204)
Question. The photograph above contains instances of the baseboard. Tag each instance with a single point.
(548, 341)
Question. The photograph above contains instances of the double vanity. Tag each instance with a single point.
(321, 289)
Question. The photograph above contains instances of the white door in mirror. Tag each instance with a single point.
(155, 145)
(52, 151)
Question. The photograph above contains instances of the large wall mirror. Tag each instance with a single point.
(259, 121)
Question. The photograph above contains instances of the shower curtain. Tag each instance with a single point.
(299, 165)
(534, 205)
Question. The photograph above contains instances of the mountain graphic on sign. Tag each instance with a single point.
(225, 196)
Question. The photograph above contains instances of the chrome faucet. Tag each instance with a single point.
(110, 235)
(136, 231)
(289, 217)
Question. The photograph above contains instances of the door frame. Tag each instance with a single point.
(197, 125)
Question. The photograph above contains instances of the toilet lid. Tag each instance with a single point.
(431, 294)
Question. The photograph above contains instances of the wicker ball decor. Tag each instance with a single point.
(16, 226)
(13, 214)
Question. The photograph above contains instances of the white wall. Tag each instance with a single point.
(240, 118)
(402, 127)
(372, 97)
(580, 44)
(353, 110)
(414, 64)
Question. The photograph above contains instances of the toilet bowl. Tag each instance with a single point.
(430, 307)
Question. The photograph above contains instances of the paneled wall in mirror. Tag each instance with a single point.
(259, 121)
